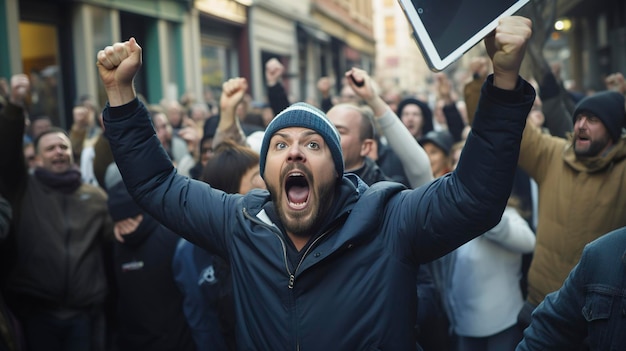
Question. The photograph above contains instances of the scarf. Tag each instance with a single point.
(66, 182)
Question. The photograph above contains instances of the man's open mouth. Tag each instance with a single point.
(297, 190)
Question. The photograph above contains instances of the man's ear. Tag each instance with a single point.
(366, 147)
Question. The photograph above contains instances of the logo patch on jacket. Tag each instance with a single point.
(207, 276)
(132, 266)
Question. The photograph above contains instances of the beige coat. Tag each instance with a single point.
(579, 200)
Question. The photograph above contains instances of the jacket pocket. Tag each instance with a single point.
(603, 320)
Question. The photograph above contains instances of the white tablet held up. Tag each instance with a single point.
(446, 29)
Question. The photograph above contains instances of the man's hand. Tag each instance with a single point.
(444, 88)
(126, 226)
(363, 85)
(273, 71)
(506, 48)
(117, 65)
(233, 91)
(20, 87)
(323, 85)
(191, 133)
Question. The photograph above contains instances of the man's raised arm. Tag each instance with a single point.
(117, 65)
(147, 170)
(471, 200)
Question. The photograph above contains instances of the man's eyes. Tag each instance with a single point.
(313, 145)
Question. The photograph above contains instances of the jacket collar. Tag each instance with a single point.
(597, 163)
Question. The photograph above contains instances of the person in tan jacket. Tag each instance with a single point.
(581, 187)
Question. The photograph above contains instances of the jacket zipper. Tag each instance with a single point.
(292, 276)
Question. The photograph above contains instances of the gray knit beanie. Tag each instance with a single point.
(306, 116)
(609, 107)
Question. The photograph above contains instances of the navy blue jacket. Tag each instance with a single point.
(587, 312)
(355, 287)
(201, 278)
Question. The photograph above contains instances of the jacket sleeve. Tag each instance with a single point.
(558, 118)
(414, 159)
(455, 208)
(12, 163)
(512, 233)
(557, 323)
(188, 207)
(277, 97)
(538, 151)
(454, 121)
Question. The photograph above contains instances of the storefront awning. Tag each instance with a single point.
(313, 32)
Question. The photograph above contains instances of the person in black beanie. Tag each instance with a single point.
(416, 116)
(319, 260)
(149, 309)
(581, 193)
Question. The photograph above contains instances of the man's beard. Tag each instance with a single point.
(594, 149)
(298, 224)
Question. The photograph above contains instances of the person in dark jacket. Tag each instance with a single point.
(56, 286)
(587, 312)
(416, 116)
(321, 260)
(150, 306)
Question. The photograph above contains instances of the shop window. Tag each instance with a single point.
(218, 64)
(40, 62)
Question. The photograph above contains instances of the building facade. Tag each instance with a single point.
(189, 46)
(55, 42)
(350, 26)
(593, 46)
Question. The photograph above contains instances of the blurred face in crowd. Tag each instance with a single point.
(206, 151)
(29, 155)
(348, 96)
(301, 176)
(174, 113)
(392, 99)
(163, 128)
(439, 161)
(413, 119)
(39, 126)
(251, 179)
(591, 137)
(199, 113)
(348, 121)
(54, 152)
(84, 115)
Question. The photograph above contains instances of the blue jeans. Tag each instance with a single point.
(47, 332)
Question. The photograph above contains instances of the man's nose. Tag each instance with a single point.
(295, 153)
